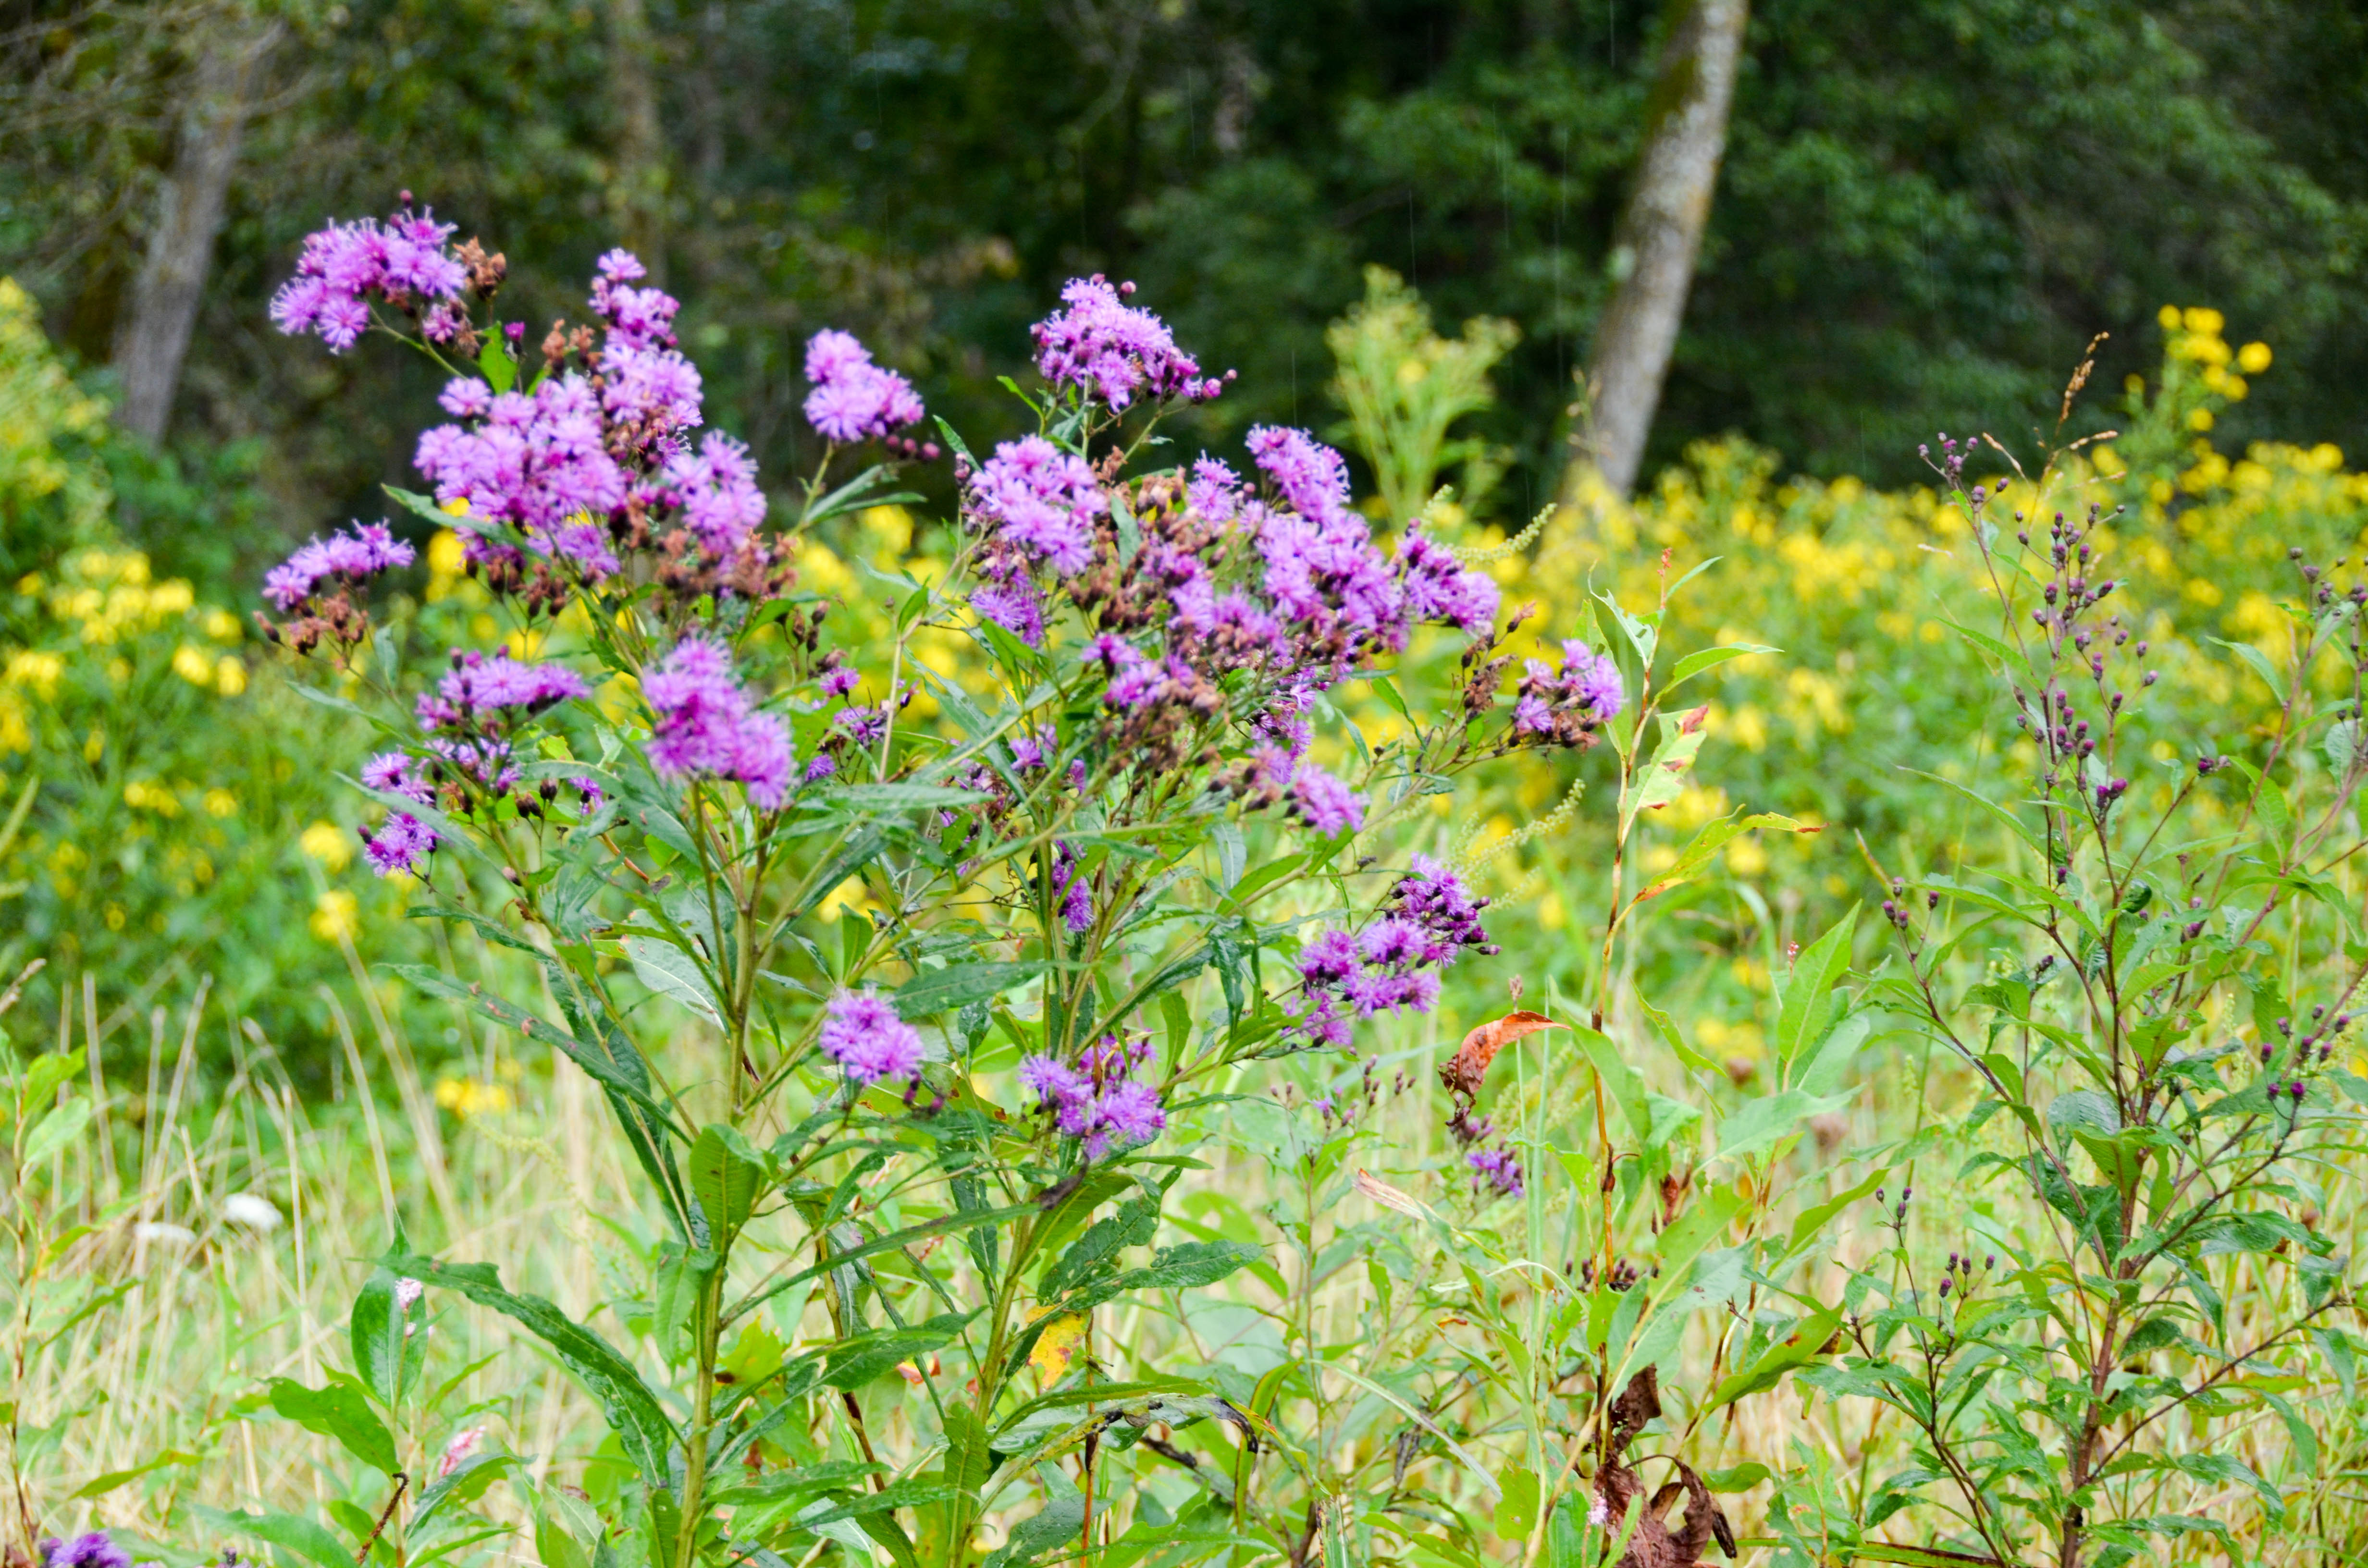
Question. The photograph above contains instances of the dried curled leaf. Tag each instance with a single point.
(1464, 1071)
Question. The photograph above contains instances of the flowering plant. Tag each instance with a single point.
(1080, 819)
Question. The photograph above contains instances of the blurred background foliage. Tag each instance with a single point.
(1926, 211)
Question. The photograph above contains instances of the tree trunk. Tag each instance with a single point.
(155, 336)
(1661, 235)
(637, 193)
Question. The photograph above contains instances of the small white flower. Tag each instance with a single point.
(1599, 1513)
(407, 1293)
(251, 1209)
(458, 1450)
(161, 1231)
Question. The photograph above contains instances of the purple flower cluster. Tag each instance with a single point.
(1566, 706)
(854, 399)
(403, 842)
(706, 728)
(1114, 351)
(1099, 1100)
(485, 693)
(1323, 804)
(537, 460)
(1395, 962)
(342, 268)
(1043, 499)
(1323, 571)
(96, 1549)
(351, 559)
(1498, 1168)
(863, 1034)
(1073, 893)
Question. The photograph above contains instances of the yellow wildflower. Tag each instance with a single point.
(332, 916)
(332, 846)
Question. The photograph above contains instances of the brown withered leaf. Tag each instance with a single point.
(1617, 1486)
(1464, 1071)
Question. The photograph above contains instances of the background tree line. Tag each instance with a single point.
(1925, 210)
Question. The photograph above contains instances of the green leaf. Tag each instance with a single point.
(727, 1177)
(465, 1484)
(1517, 1509)
(1663, 778)
(1805, 1015)
(55, 1130)
(290, 1532)
(854, 1362)
(958, 985)
(1058, 1521)
(634, 1412)
(374, 1329)
(1805, 1344)
(1758, 1123)
(1694, 664)
(42, 1075)
(341, 1411)
(100, 1485)
(670, 972)
(495, 365)
(1619, 1080)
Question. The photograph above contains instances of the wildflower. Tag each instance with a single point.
(852, 398)
(1013, 604)
(1395, 966)
(457, 1452)
(1041, 498)
(717, 491)
(326, 843)
(1100, 345)
(537, 460)
(402, 845)
(1566, 706)
(397, 773)
(706, 728)
(352, 559)
(636, 318)
(1072, 893)
(1325, 804)
(1439, 588)
(96, 1549)
(1498, 1168)
(1099, 1100)
(480, 689)
(342, 266)
(863, 1034)
(251, 1209)
(407, 1293)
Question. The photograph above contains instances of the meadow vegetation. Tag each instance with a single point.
(839, 1075)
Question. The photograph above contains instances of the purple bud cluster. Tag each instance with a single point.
(853, 399)
(402, 842)
(1496, 1168)
(1099, 1100)
(1395, 962)
(862, 1032)
(404, 262)
(1566, 706)
(706, 728)
(1110, 350)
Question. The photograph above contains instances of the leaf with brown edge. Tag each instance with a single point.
(1464, 1071)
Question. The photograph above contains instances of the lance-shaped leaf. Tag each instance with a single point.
(632, 1411)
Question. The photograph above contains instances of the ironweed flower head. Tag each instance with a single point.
(1325, 804)
(1498, 1168)
(403, 262)
(1099, 1100)
(862, 1033)
(348, 558)
(1108, 349)
(1396, 964)
(96, 1549)
(854, 399)
(1041, 498)
(705, 727)
(1566, 706)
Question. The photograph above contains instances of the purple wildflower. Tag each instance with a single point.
(96, 1549)
(854, 399)
(1396, 964)
(839, 679)
(1325, 804)
(1566, 706)
(1073, 894)
(1013, 604)
(1099, 1100)
(397, 773)
(863, 1034)
(351, 558)
(636, 318)
(1111, 350)
(1322, 570)
(717, 491)
(479, 690)
(706, 728)
(1498, 1168)
(1042, 498)
(403, 843)
(537, 460)
(864, 726)
(1440, 587)
(343, 266)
